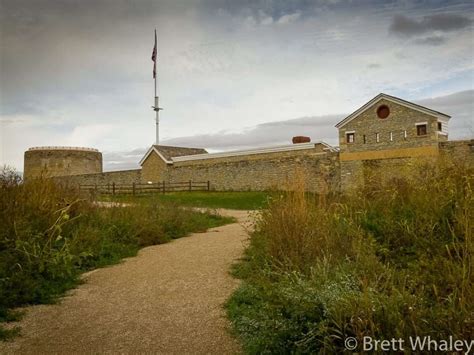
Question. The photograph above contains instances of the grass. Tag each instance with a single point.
(248, 200)
(49, 235)
(390, 259)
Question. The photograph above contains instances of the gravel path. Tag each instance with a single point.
(168, 299)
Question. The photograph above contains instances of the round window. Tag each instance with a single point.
(383, 111)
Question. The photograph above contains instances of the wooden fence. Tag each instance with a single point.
(135, 188)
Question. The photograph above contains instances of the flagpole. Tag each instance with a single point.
(156, 108)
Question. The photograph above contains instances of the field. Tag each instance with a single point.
(247, 200)
(49, 235)
(390, 259)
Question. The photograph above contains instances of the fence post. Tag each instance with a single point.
(208, 185)
(108, 187)
(164, 186)
(133, 189)
(113, 188)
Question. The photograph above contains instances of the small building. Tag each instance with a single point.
(385, 132)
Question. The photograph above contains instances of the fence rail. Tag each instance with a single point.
(136, 188)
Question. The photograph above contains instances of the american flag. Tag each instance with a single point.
(153, 58)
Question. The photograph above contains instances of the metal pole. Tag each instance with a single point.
(156, 108)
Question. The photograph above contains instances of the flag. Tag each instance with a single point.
(153, 58)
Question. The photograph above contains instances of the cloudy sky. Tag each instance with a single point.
(232, 74)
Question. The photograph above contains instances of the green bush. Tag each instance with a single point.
(390, 259)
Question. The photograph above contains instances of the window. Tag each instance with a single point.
(350, 137)
(391, 136)
(383, 111)
(421, 130)
(377, 137)
(365, 139)
(440, 127)
(405, 135)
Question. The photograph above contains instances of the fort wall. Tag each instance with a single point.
(125, 177)
(462, 150)
(260, 172)
(323, 169)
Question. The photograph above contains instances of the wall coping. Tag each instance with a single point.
(64, 148)
(284, 148)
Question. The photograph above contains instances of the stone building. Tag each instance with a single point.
(386, 132)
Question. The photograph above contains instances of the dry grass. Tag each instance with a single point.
(49, 234)
(393, 258)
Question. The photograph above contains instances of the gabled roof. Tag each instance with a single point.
(168, 152)
(396, 100)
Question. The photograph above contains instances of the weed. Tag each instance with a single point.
(390, 259)
(50, 234)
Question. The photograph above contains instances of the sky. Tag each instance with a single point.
(231, 74)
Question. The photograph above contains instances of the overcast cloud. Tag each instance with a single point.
(404, 25)
(232, 74)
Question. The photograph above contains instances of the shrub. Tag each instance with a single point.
(390, 259)
(49, 234)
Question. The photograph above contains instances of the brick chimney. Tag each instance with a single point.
(301, 139)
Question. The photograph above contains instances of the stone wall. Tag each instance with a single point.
(153, 169)
(393, 148)
(356, 172)
(61, 161)
(462, 150)
(260, 171)
(400, 119)
(323, 170)
(123, 177)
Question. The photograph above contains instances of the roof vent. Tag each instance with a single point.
(301, 139)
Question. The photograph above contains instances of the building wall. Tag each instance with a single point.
(355, 157)
(401, 119)
(153, 169)
(261, 171)
(124, 177)
(356, 172)
(59, 162)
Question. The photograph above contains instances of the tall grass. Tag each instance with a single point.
(390, 259)
(50, 234)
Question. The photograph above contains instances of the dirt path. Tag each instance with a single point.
(168, 299)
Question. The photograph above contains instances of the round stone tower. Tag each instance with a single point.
(61, 161)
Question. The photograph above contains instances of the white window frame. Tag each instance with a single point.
(444, 128)
(377, 137)
(347, 134)
(391, 136)
(421, 124)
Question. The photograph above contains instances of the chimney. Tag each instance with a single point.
(301, 139)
